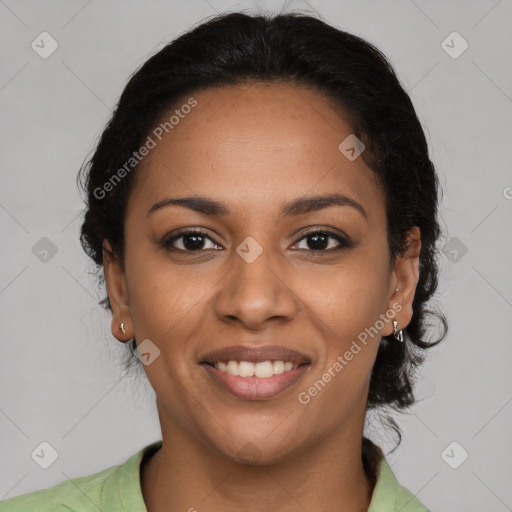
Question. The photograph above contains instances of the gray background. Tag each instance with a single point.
(61, 377)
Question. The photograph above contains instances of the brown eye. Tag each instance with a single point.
(320, 241)
(190, 241)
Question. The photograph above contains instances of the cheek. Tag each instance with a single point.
(345, 307)
(345, 299)
(345, 304)
(165, 297)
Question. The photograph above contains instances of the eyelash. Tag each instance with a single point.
(344, 243)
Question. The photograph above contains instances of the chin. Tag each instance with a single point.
(250, 452)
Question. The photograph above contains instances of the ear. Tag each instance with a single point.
(405, 277)
(117, 294)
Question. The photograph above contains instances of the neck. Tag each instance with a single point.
(338, 474)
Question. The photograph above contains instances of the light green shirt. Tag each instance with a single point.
(117, 489)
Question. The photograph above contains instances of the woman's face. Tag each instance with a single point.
(258, 276)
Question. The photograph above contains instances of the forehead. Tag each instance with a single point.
(258, 144)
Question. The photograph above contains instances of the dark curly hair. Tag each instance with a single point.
(356, 78)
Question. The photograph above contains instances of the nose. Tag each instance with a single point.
(255, 293)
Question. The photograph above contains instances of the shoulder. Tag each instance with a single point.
(388, 495)
(83, 492)
(405, 499)
(112, 489)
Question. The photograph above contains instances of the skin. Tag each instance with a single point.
(257, 145)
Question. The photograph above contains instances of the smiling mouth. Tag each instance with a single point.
(260, 370)
(254, 381)
(255, 372)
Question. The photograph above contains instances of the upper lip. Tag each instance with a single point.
(255, 354)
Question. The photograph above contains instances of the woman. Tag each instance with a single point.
(264, 210)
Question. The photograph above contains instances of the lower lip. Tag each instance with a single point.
(256, 388)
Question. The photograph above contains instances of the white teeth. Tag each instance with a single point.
(278, 367)
(245, 369)
(261, 370)
(232, 368)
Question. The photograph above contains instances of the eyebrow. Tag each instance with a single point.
(300, 206)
